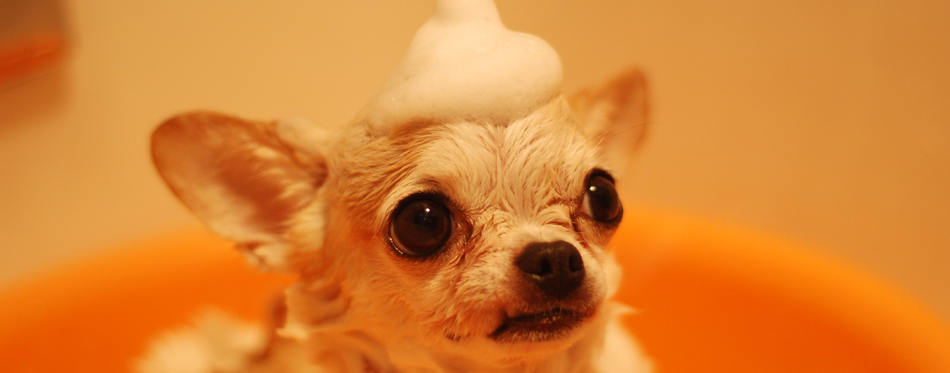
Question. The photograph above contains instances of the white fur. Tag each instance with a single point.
(216, 343)
(298, 198)
(359, 307)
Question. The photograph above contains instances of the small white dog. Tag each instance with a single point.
(465, 243)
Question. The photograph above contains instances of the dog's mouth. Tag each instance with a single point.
(541, 326)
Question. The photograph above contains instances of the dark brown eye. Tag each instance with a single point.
(601, 201)
(420, 226)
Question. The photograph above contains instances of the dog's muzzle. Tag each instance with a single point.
(554, 273)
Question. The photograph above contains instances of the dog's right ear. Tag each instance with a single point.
(615, 116)
(244, 179)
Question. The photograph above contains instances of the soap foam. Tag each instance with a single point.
(463, 64)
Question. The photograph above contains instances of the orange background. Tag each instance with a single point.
(826, 122)
(708, 298)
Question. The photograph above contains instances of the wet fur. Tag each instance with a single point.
(298, 198)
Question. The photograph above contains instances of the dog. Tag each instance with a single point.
(453, 245)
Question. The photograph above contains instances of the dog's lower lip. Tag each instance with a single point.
(541, 326)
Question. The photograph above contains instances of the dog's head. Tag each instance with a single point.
(461, 218)
(455, 238)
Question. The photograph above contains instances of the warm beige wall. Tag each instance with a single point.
(827, 122)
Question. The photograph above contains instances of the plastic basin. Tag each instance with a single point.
(710, 298)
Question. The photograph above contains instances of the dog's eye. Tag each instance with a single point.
(420, 227)
(601, 201)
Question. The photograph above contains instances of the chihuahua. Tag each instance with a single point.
(438, 247)
(443, 245)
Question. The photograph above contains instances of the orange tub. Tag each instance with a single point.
(710, 299)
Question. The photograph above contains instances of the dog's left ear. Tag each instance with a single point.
(246, 180)
(615, 117)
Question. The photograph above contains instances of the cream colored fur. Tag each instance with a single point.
(300, 199)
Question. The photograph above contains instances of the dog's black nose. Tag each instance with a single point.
(556, 267)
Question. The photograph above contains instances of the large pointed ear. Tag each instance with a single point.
(244, 179)
(615, 117)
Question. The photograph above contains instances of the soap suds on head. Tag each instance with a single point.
(463, 64)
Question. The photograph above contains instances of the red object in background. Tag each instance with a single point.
(32, 38)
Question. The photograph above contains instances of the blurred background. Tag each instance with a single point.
(824, 122)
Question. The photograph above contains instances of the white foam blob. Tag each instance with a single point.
(463, 64)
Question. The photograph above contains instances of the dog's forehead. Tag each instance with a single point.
(524, 166)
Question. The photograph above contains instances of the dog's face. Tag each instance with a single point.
(462, 238)
(482, 231)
